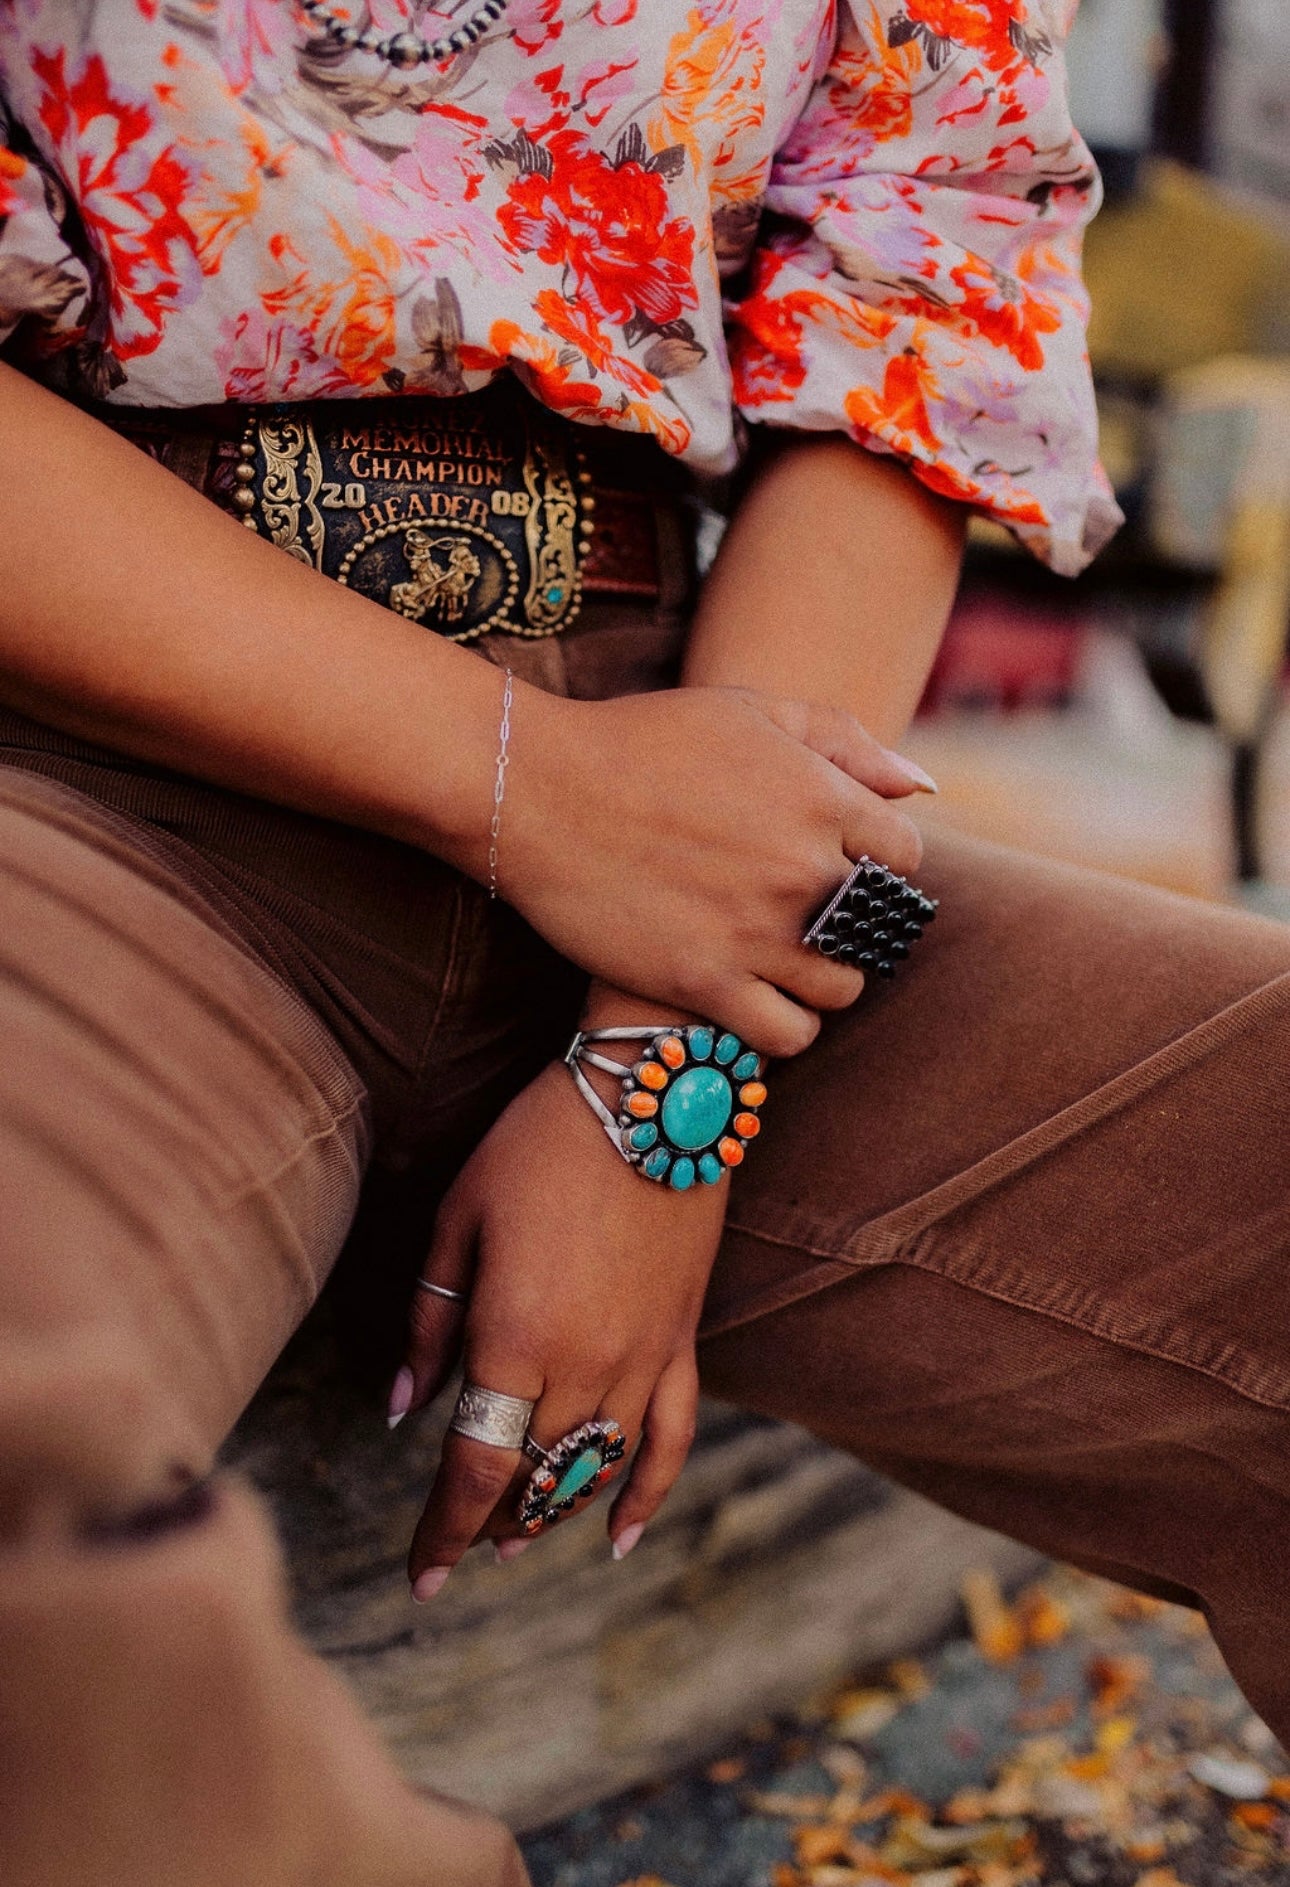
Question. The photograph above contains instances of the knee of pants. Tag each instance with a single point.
(88, 1442)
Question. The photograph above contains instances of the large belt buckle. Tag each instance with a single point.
(467, 514)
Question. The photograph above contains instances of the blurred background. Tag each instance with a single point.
(1137, 720)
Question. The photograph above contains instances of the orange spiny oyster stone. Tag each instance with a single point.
(672, 1051)
(748, 1125)
(643, 1106)
(731, 1152)
(652, 1075)
(752, 1093)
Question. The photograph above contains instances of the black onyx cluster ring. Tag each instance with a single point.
(871, 920)
(688, 1107)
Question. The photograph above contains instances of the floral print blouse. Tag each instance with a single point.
(669, 216)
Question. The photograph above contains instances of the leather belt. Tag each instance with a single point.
(477, 513)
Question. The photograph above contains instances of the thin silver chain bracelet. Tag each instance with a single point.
(407, 49)
(499, 784)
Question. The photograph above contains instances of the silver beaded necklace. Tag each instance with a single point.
(405, 50)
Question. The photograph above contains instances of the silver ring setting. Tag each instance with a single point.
(488, 1416)
(442, 1290)
(872, 919)
(572, 1472)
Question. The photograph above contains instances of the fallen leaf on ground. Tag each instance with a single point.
(1146, 1847)
(1256, 1815)
(909, 1677)
(816, 1845)
(1114, 1681)
(893, 1802)
(860, 1714)
(1114, 1735)
(845, 1765)
(729, 1769)
(1043, 1620)
(914, 1842)
(1066, 1798)
(1234, 1776)
(996, 1629)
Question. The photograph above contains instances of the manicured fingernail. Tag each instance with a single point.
(627, 1539)
(425, 1588)
(915, 774)
(505, 1550)
(400, 1396)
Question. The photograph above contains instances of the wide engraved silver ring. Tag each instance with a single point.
(486, 1415)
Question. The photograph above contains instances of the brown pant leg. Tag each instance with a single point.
(180, 1151)
(1018, 1233)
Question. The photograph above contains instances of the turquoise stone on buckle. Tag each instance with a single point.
(689, 1106)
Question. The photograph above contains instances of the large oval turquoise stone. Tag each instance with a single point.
(583, 1468)
(728, 1047)
(696, 1108)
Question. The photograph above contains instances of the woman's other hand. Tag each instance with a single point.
(585, 1284)
(679, 844)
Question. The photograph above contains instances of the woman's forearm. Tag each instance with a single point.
(134, 612)
(833, 584)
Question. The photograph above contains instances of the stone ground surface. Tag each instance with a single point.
(1080, 1737)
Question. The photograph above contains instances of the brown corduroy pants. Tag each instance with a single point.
(1017, 1232)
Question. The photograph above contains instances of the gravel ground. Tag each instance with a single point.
(1080, 1737)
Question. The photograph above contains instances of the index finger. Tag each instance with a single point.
(872, 828)
(840, 738)
(471, 1480)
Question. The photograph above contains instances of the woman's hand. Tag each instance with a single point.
(585, 1285)
(680, 843)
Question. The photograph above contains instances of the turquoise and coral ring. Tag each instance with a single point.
(570, 1473)
(689, 1106)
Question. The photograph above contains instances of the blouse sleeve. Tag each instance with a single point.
(41, 281)
(918, 279)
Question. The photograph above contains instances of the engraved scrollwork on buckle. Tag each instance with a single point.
(466, 515)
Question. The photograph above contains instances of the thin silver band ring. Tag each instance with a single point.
(442, 1290)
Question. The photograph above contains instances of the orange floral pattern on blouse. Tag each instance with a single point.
(675, 218)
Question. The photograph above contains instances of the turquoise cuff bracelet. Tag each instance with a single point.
(689, 1106)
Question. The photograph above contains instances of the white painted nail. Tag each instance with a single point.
(627, 1539)
(506, 1550)
(425, 1588)
(400, 1396)
(914, 773)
